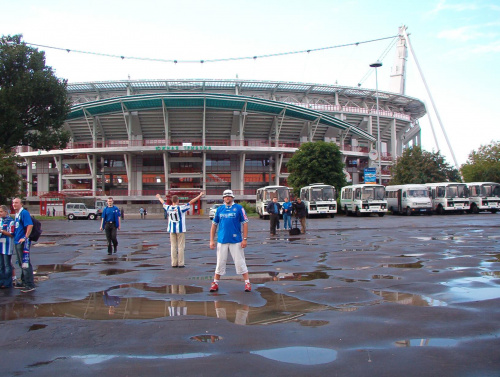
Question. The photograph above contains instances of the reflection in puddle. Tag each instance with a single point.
(472, 289)
(386, 277)
(262, 277)
(313, 323)
(299, 355)
(53, 268)
(115, 271)
(207, 338)
(433, 342)
(408, 299)
(37, 326)
(404, 265)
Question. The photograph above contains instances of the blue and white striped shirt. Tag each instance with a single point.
(176, 217)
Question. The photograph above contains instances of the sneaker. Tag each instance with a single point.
(18, 285)
(214, 287)
(28, 289)
(248, 287)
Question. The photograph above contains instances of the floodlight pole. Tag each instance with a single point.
(376, 65)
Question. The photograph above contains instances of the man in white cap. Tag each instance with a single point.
(229, 218)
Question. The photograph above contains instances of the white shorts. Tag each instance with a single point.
(238, 255)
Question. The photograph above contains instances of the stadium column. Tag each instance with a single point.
(394, 140)
(29, 176)
(166, 169)
(92, 159)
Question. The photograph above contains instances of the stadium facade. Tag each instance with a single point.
(133, 139)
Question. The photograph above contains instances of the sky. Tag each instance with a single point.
(456, 43)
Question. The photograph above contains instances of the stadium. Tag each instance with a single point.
(133, 139)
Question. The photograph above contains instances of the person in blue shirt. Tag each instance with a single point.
(287, 214)
(229, 219)
(110, 221)
(273, 208)
(23, 226)
(7, 228)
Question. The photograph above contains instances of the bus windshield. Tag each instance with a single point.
(457, 191)
(281, 193)
(418, 193)
(322, 193)
(373, 193)
(490, 190)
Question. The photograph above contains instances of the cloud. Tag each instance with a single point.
(442, 5)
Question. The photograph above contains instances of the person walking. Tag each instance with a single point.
(287, 214)
(176, 215)
(273, 208)
(141, 211)
(110, 221)
(300, 212)
(229, 219)
(23, 226)
(7, 227)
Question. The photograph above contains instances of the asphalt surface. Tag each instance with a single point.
(391, 296)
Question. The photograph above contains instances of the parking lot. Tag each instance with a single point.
(353, 296)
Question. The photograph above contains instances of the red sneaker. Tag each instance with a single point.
(214, 287)
(248, 287)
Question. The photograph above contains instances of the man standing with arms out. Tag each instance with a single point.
(287, 214)
(229, 218)
(7, 228)
(110, 220)
(176, 215)
(23, 226)
(299, 209)
(273, 208)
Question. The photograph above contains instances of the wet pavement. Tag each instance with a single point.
(374, 296)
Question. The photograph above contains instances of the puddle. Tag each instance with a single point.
(472, 289)
(404, 265)
(263, 277)
(49, 268)
(299, 355)
(432, 342)
(206, 338)
(37, 326)
(386, 277)
(115, 271)
(408, 299)
(313, 323)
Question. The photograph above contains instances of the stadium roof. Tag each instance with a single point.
(209, 101)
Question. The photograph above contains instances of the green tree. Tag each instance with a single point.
(316, 162)
(33, 101)
(483, 165)
(9, 179)
(419, 166)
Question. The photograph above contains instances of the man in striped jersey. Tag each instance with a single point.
(176, 215)
(7, 246)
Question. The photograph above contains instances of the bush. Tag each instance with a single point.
(249, 208)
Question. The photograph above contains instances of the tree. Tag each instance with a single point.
(483, 165)
(316, 162)
(33, 101)
(419, 166)
(9, 179)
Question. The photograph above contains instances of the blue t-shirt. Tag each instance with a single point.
(229, 220)
(111, 214)
(23, 219)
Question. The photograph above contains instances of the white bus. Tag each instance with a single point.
(484, 196)
(319, 199)
(449, 197)
(363, 198)
(408, 199)
(266, 195)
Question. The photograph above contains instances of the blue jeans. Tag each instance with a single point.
(26, 273)
(5, 271)
(287, 220)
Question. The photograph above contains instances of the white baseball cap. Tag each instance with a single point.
(228, 193)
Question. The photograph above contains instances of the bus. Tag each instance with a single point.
(264, 195)
(319, 199)
(408, 199)
(484, 196)
(449, 197)
(363, 199)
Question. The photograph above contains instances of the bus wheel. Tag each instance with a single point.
(493, 211)
(381, 214)
(408, 211)
(333, 215)
(440, 210)
(358, 212)
(474, 209)
(346, 211)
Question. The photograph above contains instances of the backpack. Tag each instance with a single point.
(36, 231)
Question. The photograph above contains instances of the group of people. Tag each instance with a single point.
(297, 209)
(15, 238)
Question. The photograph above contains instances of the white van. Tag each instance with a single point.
(484, 196)
(449, 197)
(319, 199)
(80, 210)
(363, 198)
(408, 199)
(264, 195)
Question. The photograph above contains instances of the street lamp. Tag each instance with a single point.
(376, 65)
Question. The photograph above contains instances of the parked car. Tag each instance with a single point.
(80, 210)
(213, 209)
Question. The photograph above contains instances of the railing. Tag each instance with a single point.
(352, 109)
